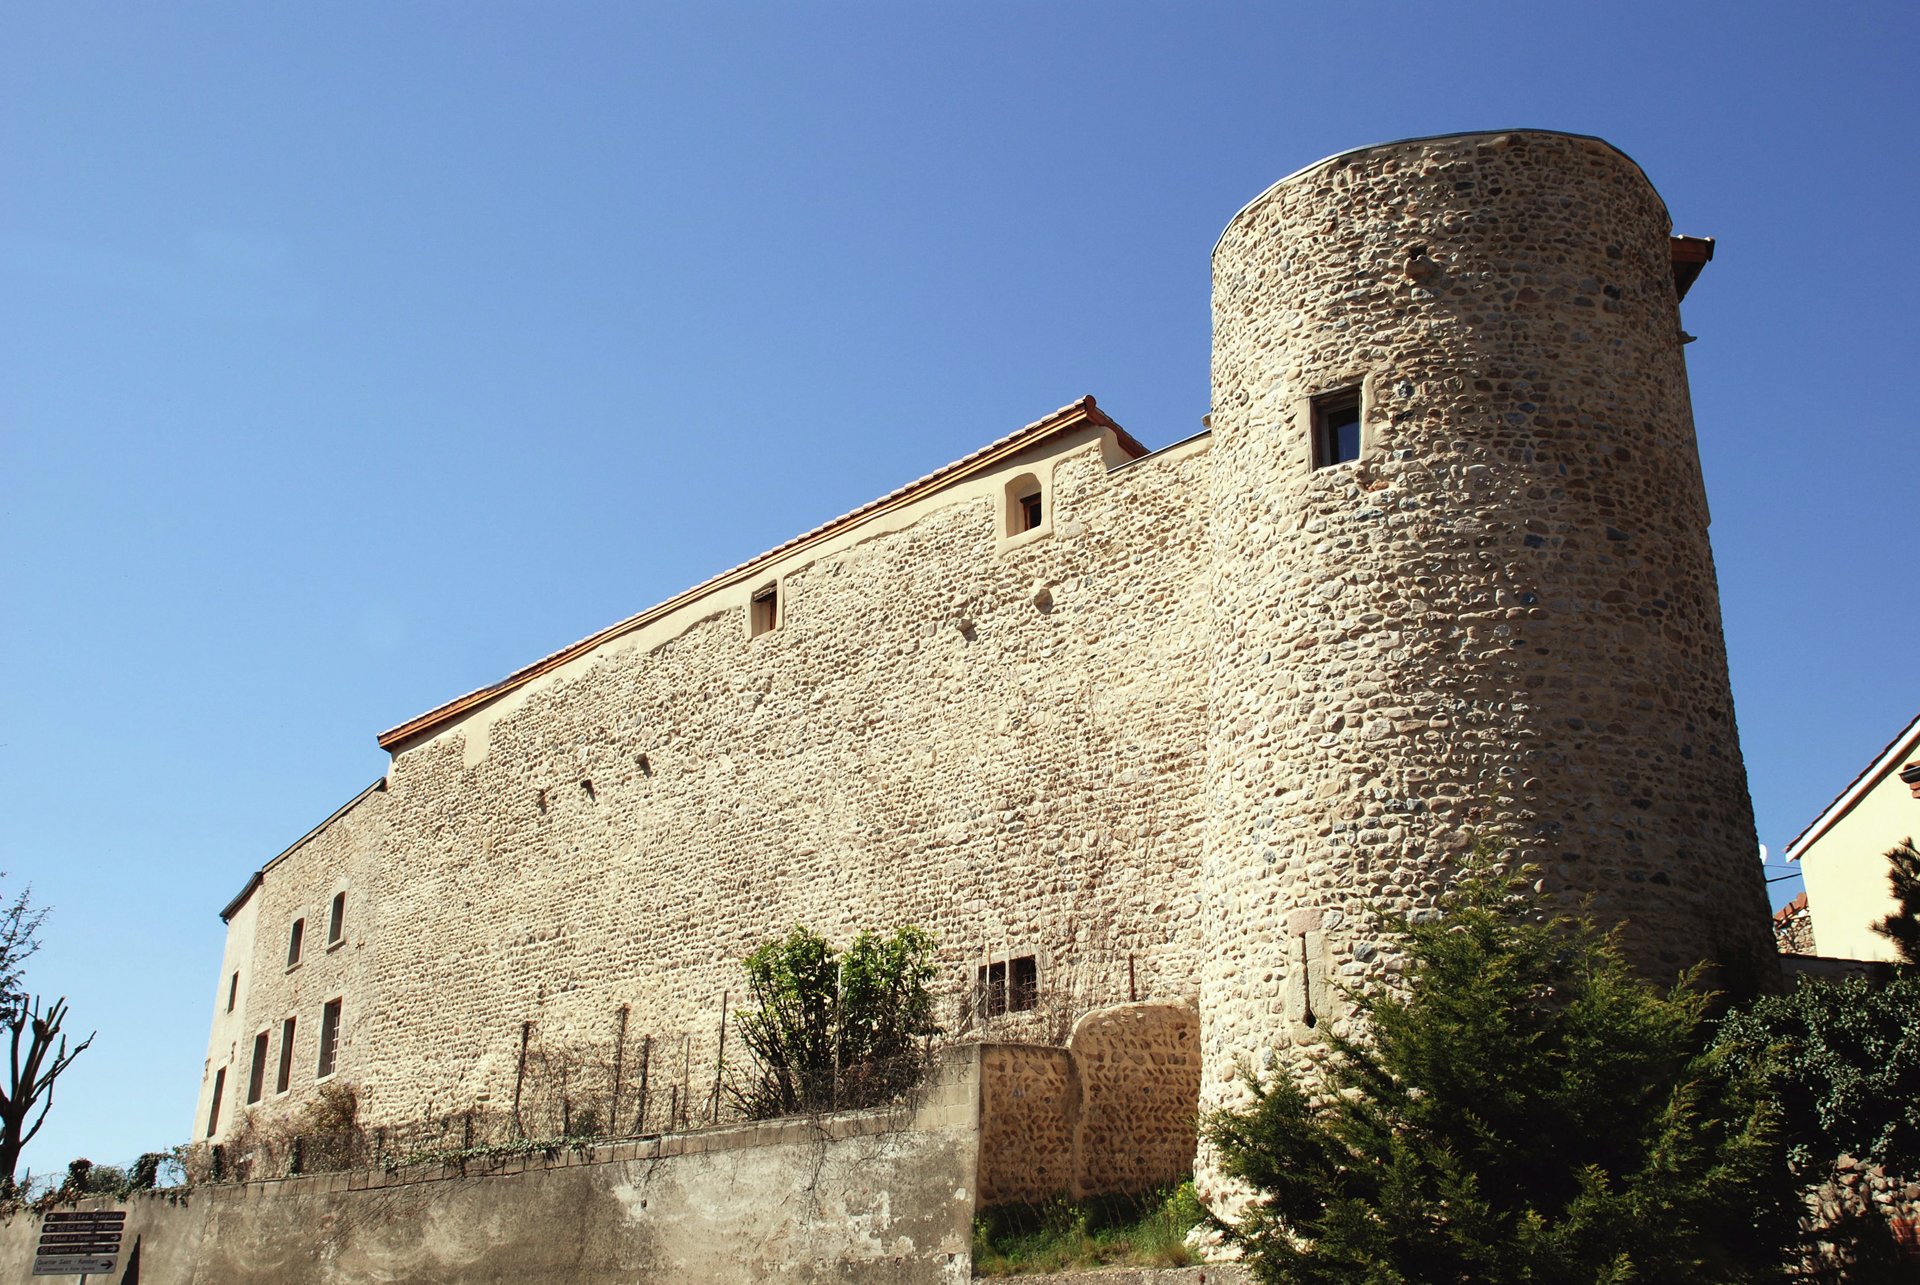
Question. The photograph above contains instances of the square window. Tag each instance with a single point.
(1023, 984)
(1336, 427)
(992, 987)
(764, 610)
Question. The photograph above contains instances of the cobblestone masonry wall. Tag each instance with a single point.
(1501, 621)
(1113, 1111)
(999, 741)
(1029, 1111)
(1139, 1071)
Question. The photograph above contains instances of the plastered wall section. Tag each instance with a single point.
(878, 1199)
(1113, 1111)
(1500, 623)
(998, 739)
(348, 854)
(1846, 871)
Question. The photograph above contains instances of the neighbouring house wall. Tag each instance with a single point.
(349, 853)
(1846, 871)
(875, 1198)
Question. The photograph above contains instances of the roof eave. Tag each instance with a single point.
(1073, 416)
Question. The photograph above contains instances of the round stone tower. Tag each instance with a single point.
(1461, 577)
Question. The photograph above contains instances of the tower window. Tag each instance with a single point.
(293, 941)
(284, 1080)
(1336, 427)
(337, 919)
(329, 1039)
(764, 610)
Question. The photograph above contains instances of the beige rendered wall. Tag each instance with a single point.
(997, 739)
(1846, 871)
(351, 853)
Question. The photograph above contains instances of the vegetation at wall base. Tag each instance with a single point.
(835, 1031)
(1103, 1231)
(1527, 1110)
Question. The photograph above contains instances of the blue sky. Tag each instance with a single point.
(354, 355)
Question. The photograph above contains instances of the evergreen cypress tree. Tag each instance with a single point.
(1527, 1110)
(1902, 927)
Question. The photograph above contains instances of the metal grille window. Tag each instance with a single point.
(329, 1039)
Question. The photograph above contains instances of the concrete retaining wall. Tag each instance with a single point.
(875, 1198)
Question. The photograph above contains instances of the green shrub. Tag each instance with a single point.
(1527, 1110)
(835, 1031)
(1843, 1058)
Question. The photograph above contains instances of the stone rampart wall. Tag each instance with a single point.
(998, 740)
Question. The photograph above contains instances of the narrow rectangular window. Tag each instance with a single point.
(293, 941)
(1030, 512)
(284, 1080)
(766, 609)
(1336, 427)
(1023, 984)
(329, 1038)
(213, 1112)
(257, 1076)
(233, 992)
(337, 918)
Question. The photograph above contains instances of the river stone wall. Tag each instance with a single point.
(1499, 625)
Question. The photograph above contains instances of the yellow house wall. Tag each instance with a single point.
(1846, 871)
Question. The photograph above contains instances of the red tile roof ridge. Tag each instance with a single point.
(1085, 410)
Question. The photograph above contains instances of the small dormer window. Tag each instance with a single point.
(1025, 506)
(763, 611)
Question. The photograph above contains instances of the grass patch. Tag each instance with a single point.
(1062, 1234)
